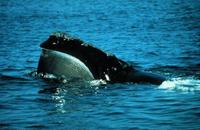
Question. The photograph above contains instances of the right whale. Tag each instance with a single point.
(63, 55)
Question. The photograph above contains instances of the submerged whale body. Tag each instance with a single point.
(63, 55)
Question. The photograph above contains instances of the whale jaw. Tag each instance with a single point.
(62, 64)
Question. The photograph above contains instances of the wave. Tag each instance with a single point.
(182, 84)
(9, 77)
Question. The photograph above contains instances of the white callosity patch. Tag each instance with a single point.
(107, 77)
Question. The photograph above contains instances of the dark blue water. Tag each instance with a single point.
(154, 35)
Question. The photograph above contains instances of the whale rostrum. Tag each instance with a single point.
(63, 55)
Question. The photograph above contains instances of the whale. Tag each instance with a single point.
(64, 55)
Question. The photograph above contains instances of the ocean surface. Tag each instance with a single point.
(160, 36)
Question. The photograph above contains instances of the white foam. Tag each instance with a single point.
(181, 84)
(97, 82)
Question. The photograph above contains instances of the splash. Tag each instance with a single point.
(181, 84)
(65, 80)
(98, 82)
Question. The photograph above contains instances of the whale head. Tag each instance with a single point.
(100, 64)
(58, 57)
